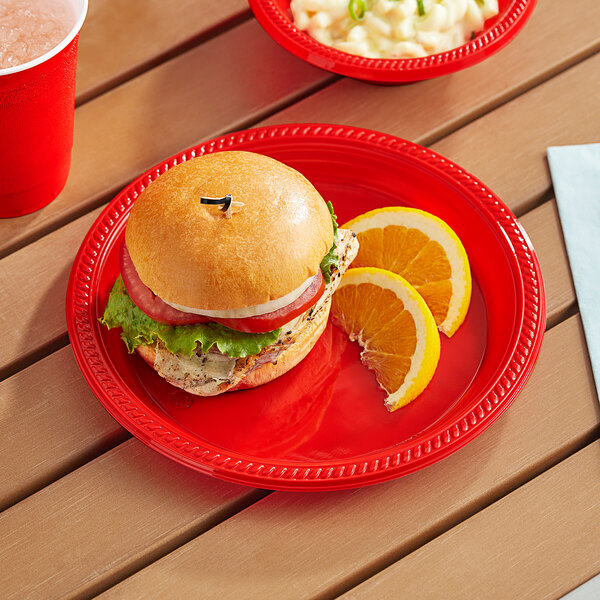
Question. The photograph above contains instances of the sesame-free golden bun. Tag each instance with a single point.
(190, 254)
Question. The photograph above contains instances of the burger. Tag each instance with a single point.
(227, 268)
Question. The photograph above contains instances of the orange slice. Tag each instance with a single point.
(422, 249)
(390, 320)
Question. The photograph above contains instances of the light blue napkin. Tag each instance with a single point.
(590, 590)
(576, 178)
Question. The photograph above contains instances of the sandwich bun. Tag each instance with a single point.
(304, 341)
(290, 357)
(189, 254)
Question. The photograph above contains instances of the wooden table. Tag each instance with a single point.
(89, 511)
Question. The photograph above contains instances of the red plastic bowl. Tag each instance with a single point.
(276, 19)
(323, 425)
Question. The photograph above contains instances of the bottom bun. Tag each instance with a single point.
(252, 373)
(291, 356)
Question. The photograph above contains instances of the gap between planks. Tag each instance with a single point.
(444, 130)
(120, 78)
(393, 557)
(451, 583)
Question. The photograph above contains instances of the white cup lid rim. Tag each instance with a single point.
(56, 50)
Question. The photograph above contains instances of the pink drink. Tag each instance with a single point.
(30, 28)
(38, 57)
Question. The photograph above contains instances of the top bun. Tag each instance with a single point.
(189, 254)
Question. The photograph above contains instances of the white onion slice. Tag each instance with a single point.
(248, 311)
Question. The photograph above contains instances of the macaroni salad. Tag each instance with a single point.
(392, 28)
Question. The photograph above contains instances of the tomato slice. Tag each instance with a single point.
(277, 318)
(148, 302)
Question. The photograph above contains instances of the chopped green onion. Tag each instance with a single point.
(420, 8)
(357, 9)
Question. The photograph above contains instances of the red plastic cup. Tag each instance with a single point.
(37, 103)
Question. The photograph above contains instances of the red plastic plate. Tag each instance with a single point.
(323, 426)
(276, 19)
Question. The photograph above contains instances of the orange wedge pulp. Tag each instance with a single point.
(389, 319)
(425, 251)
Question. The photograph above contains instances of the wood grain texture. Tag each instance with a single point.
(292, 545)
(219, 86)
(424, 112)
(51, 423)
(537, 543)
(543, 227)
(34, 284)
(105, 520)
(122, 37)
(507, 147)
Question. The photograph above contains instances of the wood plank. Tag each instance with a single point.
(543, 227)
(34, 284)
(54, 546)
(176, 105)
(537, 543)
(424, 112)
(523, 129)
(142, 32)
(52, 423)
(294, 545)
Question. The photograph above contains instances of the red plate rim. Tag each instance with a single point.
(175, 442)
(387, 70)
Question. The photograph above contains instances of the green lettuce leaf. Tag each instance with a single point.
(331, 259)
(139, 329)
